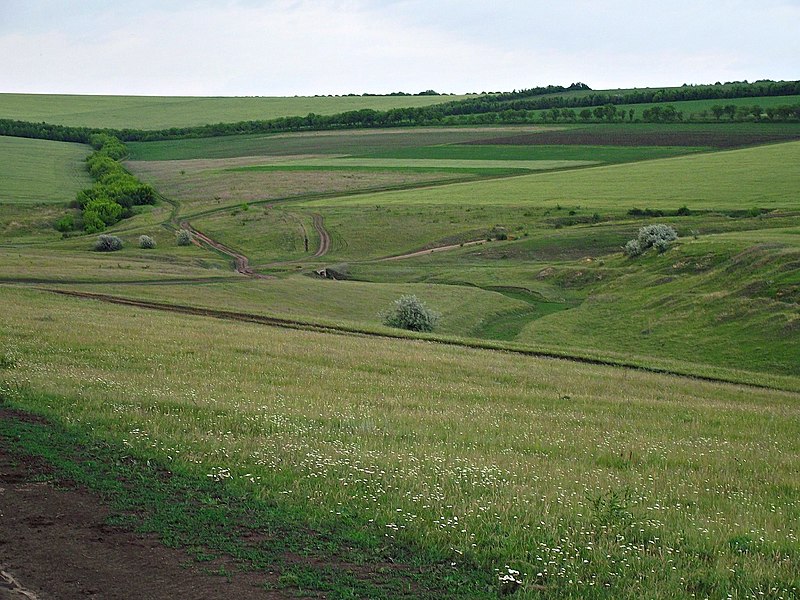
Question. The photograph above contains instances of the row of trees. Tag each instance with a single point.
(114, 193)
(526, 106)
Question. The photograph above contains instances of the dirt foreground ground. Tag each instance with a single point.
(55, 544)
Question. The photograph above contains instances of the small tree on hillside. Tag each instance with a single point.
(410, 313)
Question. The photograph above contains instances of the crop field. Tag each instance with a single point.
(154, 112)
(736, 179)
(322, 142)
(40, 171)
(609, 426)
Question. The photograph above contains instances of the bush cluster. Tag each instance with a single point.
(108, 243)
(146, 242)
(184, 237)
(657, 236)
(410, 313)
(114, 193)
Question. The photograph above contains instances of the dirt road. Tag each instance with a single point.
(324, 236)
(242, 264)
(432, 250)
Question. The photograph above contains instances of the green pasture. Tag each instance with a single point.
(752, 177)
(348, 303)
(156, 112)
(523, 153)
(41, 171)
(591, 481)
(423, 164)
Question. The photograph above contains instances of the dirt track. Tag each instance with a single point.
(55, 544)
(344, 330)
(242, 264)
(432, 250)
(324, 236)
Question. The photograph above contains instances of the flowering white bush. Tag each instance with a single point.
(108, 243)
(657, 236)
(410, 313)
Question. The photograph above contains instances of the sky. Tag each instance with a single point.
(304, 47)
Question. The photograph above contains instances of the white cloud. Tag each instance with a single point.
(286, 47)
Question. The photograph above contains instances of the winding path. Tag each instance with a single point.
(324, 236)
(242, 263)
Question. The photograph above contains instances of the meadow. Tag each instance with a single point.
(657, 457)
(590, 481)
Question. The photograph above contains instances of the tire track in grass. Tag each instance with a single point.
(404, 335)
(241, 262)
(324, 236)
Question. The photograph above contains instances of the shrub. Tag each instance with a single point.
(410, 313)
(66, 223)
(146, 242)
(499, 233)
(650, 234)
(632, 248)
(657, 236)
(108, 243)
(92, 223)
(184, 237)
(109, 211)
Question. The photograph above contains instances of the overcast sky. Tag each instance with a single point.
(304, 47)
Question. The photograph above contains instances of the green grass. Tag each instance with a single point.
(593, 482)
(191, 511)
(41, 171)
(604, 154)
(203, 186)
(350, 303)
(423, 164)
(157, 112)
(738, 179)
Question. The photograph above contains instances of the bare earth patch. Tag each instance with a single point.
(205, 183)
(54, 543)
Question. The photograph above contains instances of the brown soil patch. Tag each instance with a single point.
(206, 186)
(587, 137)
(54, 543)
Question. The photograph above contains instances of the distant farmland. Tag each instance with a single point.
(156, 112)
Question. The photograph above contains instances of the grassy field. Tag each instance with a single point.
(154, 112)
(40, 171)
(590, 481)
(458, 446)
(486, 151)
(738, 179)
(203, 185)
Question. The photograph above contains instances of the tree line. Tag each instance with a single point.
(544, 104)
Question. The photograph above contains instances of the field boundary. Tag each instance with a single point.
(404, 335)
